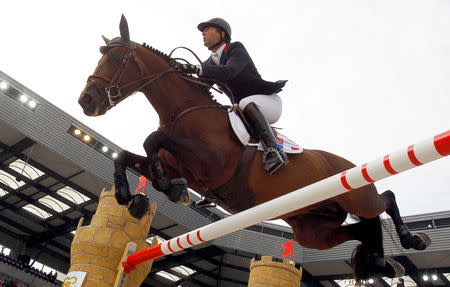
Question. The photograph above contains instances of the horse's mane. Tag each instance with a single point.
(171, 62)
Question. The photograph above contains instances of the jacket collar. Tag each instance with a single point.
(224, 55)
(218, 54)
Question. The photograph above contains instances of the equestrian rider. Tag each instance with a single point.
(231, 64)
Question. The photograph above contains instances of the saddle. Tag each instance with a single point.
(235, 195)
(242, 130)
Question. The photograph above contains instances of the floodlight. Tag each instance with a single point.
(23, 98)
(32, 104)
(3, 85)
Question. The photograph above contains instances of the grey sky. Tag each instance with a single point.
(365, 77)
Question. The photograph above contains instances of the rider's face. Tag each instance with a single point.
(211, 36)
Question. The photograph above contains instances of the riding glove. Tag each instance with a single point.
(186, 68)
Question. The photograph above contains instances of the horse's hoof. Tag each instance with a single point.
(139, 206)
(122, 191)
(421, 241)
(393, 269)
(178, 191)
(203, 203)
(161, 183)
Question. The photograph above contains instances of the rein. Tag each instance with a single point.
(114, 82)
(191, 109)
(214, 81)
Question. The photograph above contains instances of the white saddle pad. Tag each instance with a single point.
(241, 132)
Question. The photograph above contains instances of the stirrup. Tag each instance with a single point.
(274, 150)
(277, 165)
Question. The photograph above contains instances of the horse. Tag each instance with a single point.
(195, 147)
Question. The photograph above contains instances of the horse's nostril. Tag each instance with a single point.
(85, 99)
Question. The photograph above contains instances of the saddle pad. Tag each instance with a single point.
(241, 132)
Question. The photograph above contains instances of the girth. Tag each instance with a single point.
(235, 195)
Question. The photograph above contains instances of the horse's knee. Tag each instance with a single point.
(121, 158)
(151, 142)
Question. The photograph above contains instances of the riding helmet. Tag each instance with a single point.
(218, 23)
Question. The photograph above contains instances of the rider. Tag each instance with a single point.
(231, 64)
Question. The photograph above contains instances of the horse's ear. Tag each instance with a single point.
(124, 32)
(106, 40)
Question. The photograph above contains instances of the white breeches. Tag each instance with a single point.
(270, 106)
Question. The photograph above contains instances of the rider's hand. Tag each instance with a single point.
(186, 68)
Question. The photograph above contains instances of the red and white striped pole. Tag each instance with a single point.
(415, 155)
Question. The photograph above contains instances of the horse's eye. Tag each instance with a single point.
(102, 49)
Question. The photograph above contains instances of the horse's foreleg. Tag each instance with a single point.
(123, 160)
(139, 202)
(418, 241)
(175, 189)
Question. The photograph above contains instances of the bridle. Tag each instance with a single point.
(114, 83)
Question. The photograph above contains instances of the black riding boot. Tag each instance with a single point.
(274, 157)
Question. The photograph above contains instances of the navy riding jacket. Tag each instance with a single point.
(237, 71)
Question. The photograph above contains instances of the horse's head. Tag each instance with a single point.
(116, 74)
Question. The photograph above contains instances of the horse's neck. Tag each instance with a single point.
(171, 95)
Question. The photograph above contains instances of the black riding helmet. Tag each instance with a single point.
(218, 23)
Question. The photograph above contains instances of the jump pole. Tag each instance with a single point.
(402, 160)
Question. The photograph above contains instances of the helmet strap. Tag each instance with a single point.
(212, 47)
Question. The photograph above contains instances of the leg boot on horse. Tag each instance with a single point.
(123, 160)
(274, 157)
(137, 204)
(418, 241)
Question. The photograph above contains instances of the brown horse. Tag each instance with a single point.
(195, 142)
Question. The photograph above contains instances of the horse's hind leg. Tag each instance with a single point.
(319, 232)
(418, 241)
(368, 258)
(324, 232)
